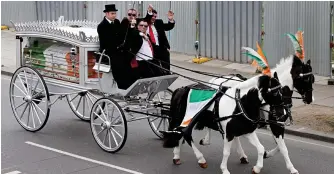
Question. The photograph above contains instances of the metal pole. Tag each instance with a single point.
(331, 80)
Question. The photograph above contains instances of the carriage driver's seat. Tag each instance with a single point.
(107, 82)
(101, 64)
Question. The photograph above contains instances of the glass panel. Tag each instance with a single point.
(92, 74)
(52, 58)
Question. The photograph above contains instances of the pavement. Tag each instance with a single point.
(66, 145)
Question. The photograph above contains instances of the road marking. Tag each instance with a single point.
(301, 141)
(83, 158)
(13, 172)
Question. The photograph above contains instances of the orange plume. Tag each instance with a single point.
(300, 39)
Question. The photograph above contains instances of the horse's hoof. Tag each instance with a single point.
(203, 165)
(253, 172)
(177, 161)
(244, 160)
(201, 142)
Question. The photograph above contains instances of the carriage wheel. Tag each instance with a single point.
(108, 125)
(81, 104)
(29, 99)
(158, 124)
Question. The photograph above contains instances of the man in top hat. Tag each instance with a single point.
(110, 36)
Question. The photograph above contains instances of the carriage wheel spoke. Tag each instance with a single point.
(154, 119)
(31, 80)
(104, 139)
(29, 114)
(107, 113)
(113, 135)
(38, 107)
(76, 109)
(25, 76)
(159, 124)
(116, 125)
(20, 105)
(96, 124)
(32, 116)
(18, 96)
(33, 91)
(109, 140)
(112, 112)
(24, 111)
(104, 115)
(115, 120)
(25, 89)
(83, 106)
(89, 106)
(74, 97)
(38, 100)
(19, 89)
(116, 132)
(89, 98)
(34, 108)
(89, 94)
(99, 117)
(100, 131)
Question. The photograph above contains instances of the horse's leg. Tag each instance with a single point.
(240, 150)
(254, 140)
(201, 160)
(285, 153)
(206, 140)
(177, 151)
(271, 153)
(226, 154)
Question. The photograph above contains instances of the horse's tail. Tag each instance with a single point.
(177, 112)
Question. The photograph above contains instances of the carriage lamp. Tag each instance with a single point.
(73, 50)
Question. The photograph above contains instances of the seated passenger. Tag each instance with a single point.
(143, 49)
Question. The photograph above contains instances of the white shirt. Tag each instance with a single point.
(145, 51)
(108, 20)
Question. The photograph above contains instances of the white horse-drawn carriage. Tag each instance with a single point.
(57, 58)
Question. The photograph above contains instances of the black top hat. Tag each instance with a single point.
(110, 7)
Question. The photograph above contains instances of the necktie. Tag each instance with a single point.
(151, 34)
(149, 43)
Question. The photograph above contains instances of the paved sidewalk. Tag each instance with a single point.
(324, 94)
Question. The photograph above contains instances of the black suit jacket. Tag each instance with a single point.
(110, 37)
(161, 27)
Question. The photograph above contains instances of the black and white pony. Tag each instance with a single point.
(268, 90)
(292, 73)
(236, 110)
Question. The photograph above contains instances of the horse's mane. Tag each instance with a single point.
(250, 83)
(283, 69)
(285, 62)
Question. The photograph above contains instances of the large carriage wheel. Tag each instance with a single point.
(81, 104)
(108, 125)
(29, 99)
(158, 124)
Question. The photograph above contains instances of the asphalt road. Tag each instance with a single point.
(66, 145)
